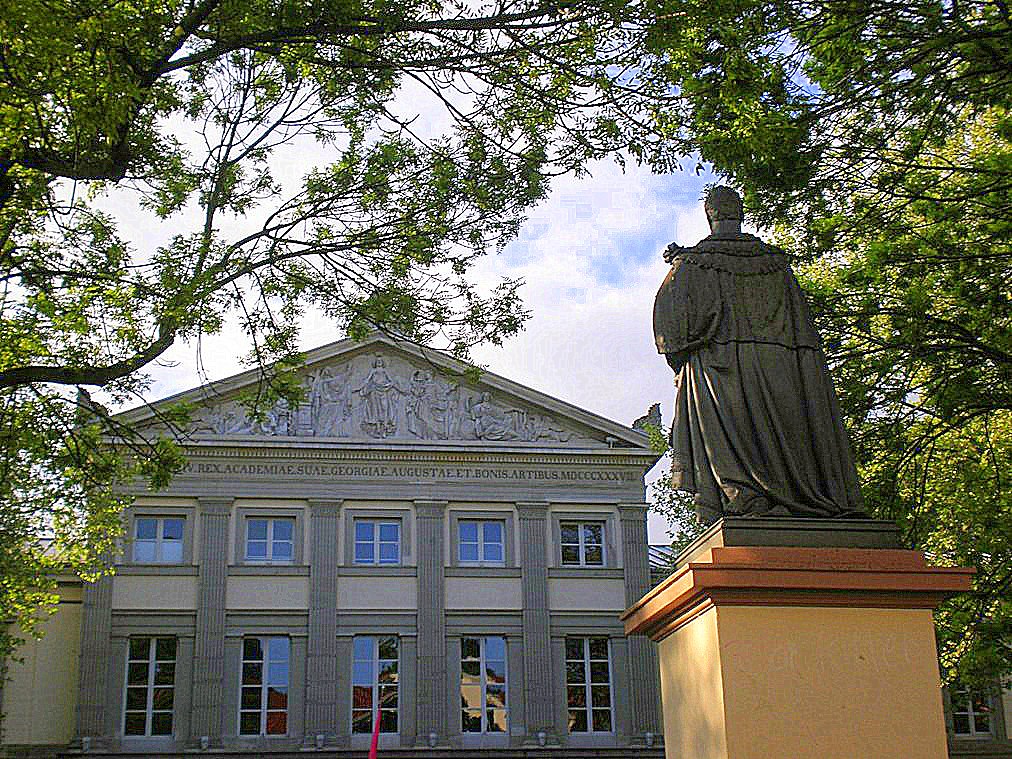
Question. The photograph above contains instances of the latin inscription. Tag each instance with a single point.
(393, 471)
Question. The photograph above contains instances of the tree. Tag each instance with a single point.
(874, 139)
(184, 111)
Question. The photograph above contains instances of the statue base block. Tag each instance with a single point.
(812, 651)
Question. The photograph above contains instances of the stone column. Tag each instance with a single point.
(321, 657)
(209, 641)
(93, 677)
(538, 692)
(642, 679)
(430, 693)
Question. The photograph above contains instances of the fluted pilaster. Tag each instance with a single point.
(430, 692)
(321, 669)
(538, 696)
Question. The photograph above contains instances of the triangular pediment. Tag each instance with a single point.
(387, 390)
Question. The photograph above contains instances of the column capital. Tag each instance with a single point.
(532, 509)
(325, 506)
(215, 505)
(429, 509)
(633, 510)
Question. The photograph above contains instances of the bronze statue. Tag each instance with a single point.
(757, 428)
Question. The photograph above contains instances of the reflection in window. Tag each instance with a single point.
(151, 675)
(270, 541)
(374, 681)
(582, 543)
(263, 705)
(158, 540)
(481, 541)
(483, 707)
(377, 542)
(588, 685)
(971, 714)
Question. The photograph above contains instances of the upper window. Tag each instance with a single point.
(971, 714)
(582, 543)
(270, 541)
(158, 540)
(377, 541)
(263, 706)
(481, 541)
(151, 677)
(588, 685)
(374, 682)
(483, 685)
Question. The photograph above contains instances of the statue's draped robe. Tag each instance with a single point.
(757, 426)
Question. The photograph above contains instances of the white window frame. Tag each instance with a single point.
(588, 706)
(376, 523)
(483, 683)
(964, 697)
(269, 558)
(159, 540)
(582, 544)
(374, 664)
(265, 685)
(150, 686)
(482, 560)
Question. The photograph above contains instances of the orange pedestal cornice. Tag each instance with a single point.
(787, 576)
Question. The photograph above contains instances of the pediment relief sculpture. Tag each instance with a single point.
(385, 397)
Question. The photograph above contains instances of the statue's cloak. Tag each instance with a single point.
(757, 426)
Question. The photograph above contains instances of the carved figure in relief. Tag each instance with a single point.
(379, 393)
(443, 407)
(418, 406)
(330, 397)
(489, 424)
(227, 422)
(534, 427)
(277, 421)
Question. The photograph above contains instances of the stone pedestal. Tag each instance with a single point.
(796, 638)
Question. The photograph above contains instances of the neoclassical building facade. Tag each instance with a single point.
(456, 553)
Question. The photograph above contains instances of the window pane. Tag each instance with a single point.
(256, 549)
(470, 671)
(493, 532)
(982, 723)
(361, 697)
(495, 648)
(364, 553)
(496, 719)
(161, 723)
(137, 673)
(283, 529)
(600, 696)
(388, 721)
(593, 555)
(361, 721)
(495, 695)
(470, 696)
(493, 552)
(277, 674)
(252, 674)
(602, 720)
(282, 551)
(146, 529)
(139, 648)
(165, 649)
(388, 553)
(469, 648)
(165, 673)
(574, 648)
(277, 649)
(388, 672)
(577, 720)
(388, 648)
(598, 648)
(161, 699)
(469, 532)
(961, 724)
(469, 552)
(277, 723)
(363, 648)
(388, 696)
(144, 551)
(135, 723)
(389, 532)
(256, 529)
(593, 533)
(277, 698)
(470, 721)
(363, 531)
(599, 672)
(251, 698)
(361, 673)
(575, 672)
(137, 699)
(570, 554)
(172, 529)
(172, 552)
(249, 723)
(576, 696)
(570, 533)
(251, 649)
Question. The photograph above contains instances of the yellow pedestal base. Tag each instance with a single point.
(799, 653)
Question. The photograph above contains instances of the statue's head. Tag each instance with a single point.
(723, 209)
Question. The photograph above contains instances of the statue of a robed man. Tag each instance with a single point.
(757, 428)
